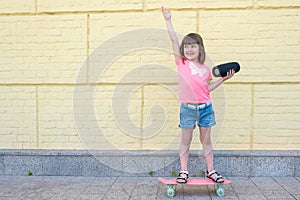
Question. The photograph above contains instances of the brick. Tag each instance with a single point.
(200, 4)
(232, 132)
(171, 5)
(134, 67)
(257, 109)
(225, 4)
(275, 117)
(125, 54)
(160, 116)
(17, 6)
(101, 24)
(18, 124)
(282, 139)
(93, 5)
(118, 112)
(56, 122)
(274, 3)
(250, 39)
(60, 41)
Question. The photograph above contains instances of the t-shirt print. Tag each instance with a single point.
(197, 70)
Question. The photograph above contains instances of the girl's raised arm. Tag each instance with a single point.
(167, 15)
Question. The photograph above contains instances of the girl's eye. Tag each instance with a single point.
(190, 46)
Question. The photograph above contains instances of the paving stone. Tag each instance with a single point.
(139, 188)
(297, 197)
(251, 197)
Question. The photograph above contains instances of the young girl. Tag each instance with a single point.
(194, 95)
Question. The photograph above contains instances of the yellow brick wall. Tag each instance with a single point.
(100, 74)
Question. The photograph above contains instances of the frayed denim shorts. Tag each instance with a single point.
(203, 114)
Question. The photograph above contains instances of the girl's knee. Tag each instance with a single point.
(186, 142)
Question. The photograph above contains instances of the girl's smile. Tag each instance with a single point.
(191, 51)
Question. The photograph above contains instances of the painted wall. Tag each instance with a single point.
(100, 74)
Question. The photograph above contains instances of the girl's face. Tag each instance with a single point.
(191, 51)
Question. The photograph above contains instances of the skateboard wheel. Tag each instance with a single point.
(216, 186)
(220, 192)
(170, 192)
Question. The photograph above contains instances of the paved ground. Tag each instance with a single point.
(90, 188)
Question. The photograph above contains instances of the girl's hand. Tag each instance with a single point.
(166, 13)
(229, 75)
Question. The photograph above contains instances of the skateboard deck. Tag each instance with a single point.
(171, 183)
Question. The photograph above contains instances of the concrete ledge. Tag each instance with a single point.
(141, 163)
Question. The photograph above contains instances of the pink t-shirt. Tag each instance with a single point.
(193, 80)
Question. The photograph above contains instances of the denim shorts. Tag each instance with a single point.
(203, 114)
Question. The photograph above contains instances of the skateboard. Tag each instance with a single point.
(193, 182)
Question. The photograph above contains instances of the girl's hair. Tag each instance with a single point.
(193, 38)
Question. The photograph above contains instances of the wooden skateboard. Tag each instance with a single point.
(171, 183)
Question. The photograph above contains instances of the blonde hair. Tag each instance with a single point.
(193, 38)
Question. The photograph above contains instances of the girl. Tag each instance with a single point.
(194, 95)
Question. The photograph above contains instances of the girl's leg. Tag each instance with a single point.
(208, 150)
(207, 147)
(186, 139)
(184, 150)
